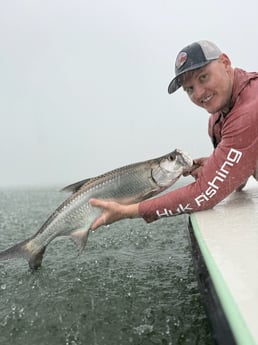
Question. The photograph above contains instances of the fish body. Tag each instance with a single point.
(129, 184)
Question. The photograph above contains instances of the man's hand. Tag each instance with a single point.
(196, 169)
(112, 212)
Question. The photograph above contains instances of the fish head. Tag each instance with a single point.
(175, 161)
(170, 167)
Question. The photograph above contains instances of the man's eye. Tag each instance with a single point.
(203, 77)
(189, 90)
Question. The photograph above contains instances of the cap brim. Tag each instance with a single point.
(174, 84)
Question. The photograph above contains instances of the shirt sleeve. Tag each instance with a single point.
(230, 164)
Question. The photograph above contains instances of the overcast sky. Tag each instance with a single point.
(83, 83)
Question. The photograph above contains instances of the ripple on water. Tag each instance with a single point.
(134, 283)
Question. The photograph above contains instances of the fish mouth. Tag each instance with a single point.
(184, 159)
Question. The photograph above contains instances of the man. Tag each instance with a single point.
(230, 95)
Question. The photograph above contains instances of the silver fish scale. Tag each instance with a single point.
(76, 213)
(129, 183)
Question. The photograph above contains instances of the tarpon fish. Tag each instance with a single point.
(129, 184)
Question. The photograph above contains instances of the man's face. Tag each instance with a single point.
(210, 87)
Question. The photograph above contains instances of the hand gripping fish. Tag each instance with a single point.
(129, 184)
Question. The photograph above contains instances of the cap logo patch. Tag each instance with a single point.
(181, 59)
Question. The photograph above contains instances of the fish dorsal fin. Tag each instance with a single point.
(74, 187)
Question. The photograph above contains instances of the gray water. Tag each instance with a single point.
(134, 283)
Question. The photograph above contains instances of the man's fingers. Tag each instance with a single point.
(189, 171)
(99, 222)
(96, 202)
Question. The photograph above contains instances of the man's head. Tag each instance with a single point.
(205, 73)
(193, 56)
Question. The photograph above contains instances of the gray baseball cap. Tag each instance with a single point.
(193, 56)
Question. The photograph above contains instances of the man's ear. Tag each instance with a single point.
(225, 60)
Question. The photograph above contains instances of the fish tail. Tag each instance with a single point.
(24, 250)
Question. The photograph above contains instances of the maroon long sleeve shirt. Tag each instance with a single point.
(233, 161)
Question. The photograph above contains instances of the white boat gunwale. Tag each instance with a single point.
(238, 328)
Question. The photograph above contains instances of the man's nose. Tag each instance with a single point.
(198, 92)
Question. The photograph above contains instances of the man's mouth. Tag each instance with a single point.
(206, 99)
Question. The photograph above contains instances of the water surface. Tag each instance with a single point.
(133, 284)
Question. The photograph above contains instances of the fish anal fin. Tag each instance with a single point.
(80, 237)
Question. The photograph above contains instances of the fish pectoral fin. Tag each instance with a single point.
(80, 237)
(149, 194)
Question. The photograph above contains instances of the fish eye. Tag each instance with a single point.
(171, 157)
